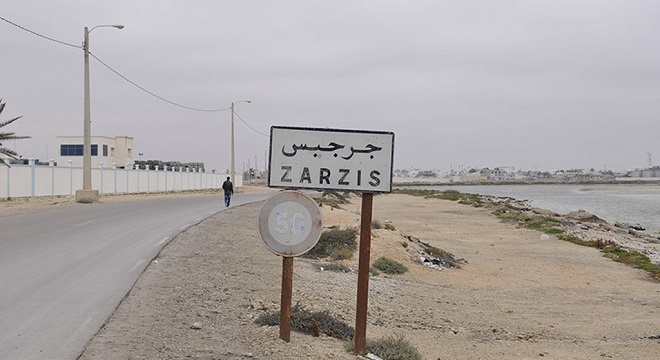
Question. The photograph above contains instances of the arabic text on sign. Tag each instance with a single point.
(332, 146)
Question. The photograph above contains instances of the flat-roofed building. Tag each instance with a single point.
(107, 150)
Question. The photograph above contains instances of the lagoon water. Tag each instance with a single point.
(628, 203)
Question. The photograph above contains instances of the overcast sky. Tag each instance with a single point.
(533, 84)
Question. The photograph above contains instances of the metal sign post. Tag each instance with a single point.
(285, 298)
(363, 276)
(289, 224)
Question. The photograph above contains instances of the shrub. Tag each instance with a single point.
(504, 213)
(634, 259)
(335, 243)
(416, 192)
(390, 348)
(333, 267)
(618, 254)
(341, 254)
(553, 231)
(452, 195)
(311, 323)
(376, 224)
(576, 240)
(389, 266)
(332, 199)
(542, 223)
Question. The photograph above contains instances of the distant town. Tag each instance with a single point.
(511, 175)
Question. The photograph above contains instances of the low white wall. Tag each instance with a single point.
(48, 180)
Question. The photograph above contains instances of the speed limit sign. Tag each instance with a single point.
(290, 223)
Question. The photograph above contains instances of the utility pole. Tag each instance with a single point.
(86, 194)
(233, 158)
(233, 148)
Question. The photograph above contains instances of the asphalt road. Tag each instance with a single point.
(63, 272)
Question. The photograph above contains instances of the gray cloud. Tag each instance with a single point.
(546, 84)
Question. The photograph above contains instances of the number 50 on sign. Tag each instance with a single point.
(290, 223)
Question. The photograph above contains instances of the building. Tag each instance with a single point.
(650, 172)
(497, 174)
(107, 150)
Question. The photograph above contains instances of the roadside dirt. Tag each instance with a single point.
(518, 296)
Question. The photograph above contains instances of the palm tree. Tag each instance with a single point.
(8, 136)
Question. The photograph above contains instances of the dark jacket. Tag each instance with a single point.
(228, 187)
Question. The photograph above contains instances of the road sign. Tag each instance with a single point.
(331, 159)
(290, 223)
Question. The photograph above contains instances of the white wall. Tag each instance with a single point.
(44, 180)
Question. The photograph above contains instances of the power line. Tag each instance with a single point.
(151, 93)
(39, 35)
(111, 69)
(248, 125)
(128, 80)
(171, 102)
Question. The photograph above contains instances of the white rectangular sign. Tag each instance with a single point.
(331, 159)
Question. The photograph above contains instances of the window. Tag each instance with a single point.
(71, 150)
(76, 150)
(105, 150)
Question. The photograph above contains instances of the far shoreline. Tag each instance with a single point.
(618, 181)
(651, 225)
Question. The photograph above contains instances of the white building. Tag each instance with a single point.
(107, 150)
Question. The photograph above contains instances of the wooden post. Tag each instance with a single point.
(285, 299)
(363, 276)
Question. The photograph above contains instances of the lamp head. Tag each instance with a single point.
(118, 26)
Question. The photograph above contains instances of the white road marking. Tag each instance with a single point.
(85, 223)
(162, 241)
(136, 266)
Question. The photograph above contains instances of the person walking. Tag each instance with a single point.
(228, 187)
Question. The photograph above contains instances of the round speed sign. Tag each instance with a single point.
(290, 223)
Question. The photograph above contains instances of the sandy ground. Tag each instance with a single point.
(517, 296)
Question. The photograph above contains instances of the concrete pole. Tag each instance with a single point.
(87, 132)
(86, 194)
(233, 149)
(233, 158)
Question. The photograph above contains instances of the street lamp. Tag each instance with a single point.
(87, 194)
(233, 158)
